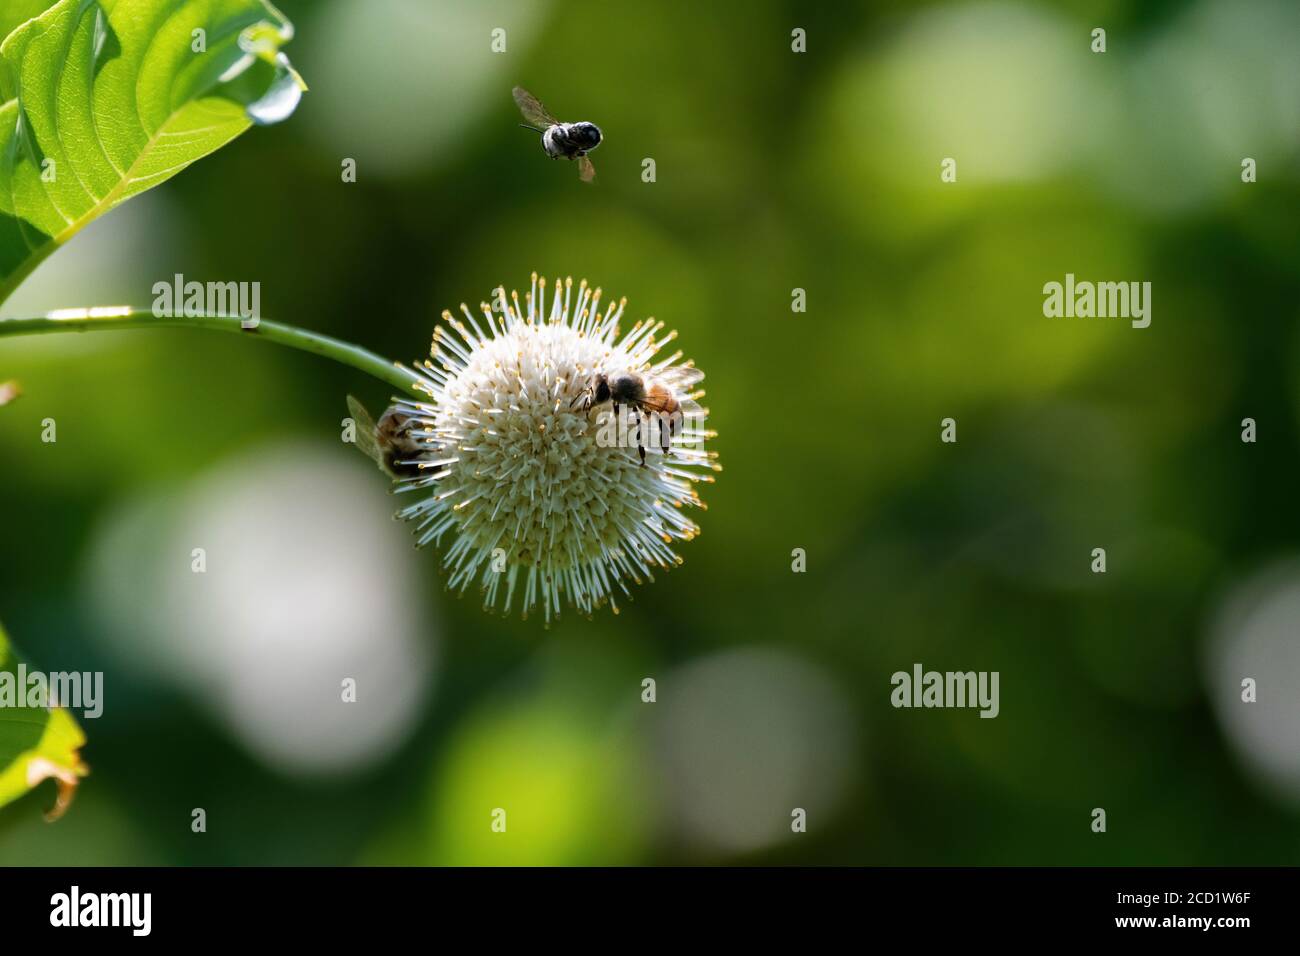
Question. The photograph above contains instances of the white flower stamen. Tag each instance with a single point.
(515, 470)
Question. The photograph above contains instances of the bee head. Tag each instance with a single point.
(600, 388)
(585, 135)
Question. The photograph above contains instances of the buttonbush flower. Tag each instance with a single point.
(538, 508)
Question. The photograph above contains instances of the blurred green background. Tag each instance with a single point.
(775, 171)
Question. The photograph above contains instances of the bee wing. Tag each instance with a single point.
(365, 431)
(586, 171)
(532, 108)
(681, 378)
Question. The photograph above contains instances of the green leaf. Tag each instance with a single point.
(35, 744)
(103, 99)
(13, 13)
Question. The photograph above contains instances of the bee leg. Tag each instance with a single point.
(618, 423)
(665, 436)
(640, 444)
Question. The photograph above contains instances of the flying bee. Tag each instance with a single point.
(390, 444)
(660, 398)
(570, 140)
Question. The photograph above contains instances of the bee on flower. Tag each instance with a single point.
(555, 453)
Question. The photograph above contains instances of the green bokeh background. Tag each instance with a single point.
(775, 171)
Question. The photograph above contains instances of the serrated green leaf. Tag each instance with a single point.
(112, 96)
(35, 744)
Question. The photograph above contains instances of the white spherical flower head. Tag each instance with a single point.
(556, 452)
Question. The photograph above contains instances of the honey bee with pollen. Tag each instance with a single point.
(654, 397)
(392, 443)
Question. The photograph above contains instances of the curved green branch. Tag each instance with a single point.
(111, 319)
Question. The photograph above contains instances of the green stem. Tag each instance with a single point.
(107, 320)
